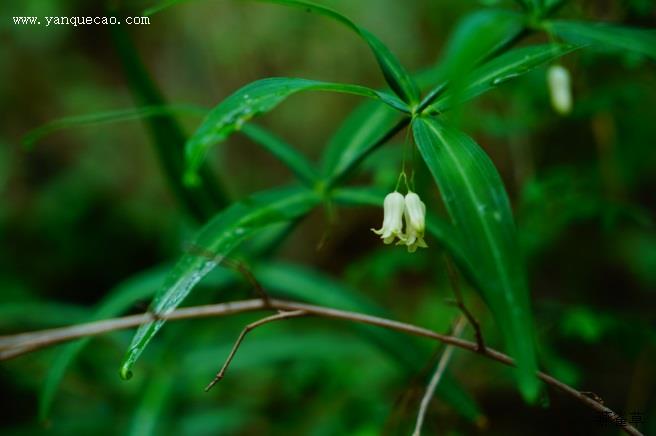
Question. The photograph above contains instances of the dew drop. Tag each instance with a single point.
(502, 79)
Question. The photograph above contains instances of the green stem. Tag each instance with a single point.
(167, 135)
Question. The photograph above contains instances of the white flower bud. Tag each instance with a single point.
(393, 207)
(560, 89)
(415, 222)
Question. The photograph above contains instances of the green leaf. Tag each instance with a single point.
(254, 99)
(505, 67)
(606, 37)
(35, 135)
(287, 154)
(367, 127)
(120, 299)
(220, 237)
(301, 167)
(478, 35)
(479, 208)
(396, 76)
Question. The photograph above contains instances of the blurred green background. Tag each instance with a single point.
(87, 216)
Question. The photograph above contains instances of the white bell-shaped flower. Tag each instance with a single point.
(393, 206)
(560, 89)
(415, 222)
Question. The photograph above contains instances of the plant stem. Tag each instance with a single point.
(435, 380)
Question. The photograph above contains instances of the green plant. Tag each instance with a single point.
(479, 233)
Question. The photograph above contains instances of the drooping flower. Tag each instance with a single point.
(415, 222)
(392, 228)
(560, 89)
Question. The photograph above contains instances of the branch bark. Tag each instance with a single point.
(18, 344)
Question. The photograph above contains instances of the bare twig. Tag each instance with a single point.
(435, 380)
(277, 317)
(460, 302)
(594, 396)
(15, 345)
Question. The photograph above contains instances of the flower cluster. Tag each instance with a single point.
(397, 208)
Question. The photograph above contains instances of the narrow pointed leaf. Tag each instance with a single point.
(362, 131)
(606, 37)
(120, 299)
(367, 127)
(479, 208)
(287, 154)
(395, 74)
(113, 116)
(477, 36)
(255, 99)
(220, 237)
(507, 66)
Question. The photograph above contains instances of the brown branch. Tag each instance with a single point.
(277, 317)
(15, 345)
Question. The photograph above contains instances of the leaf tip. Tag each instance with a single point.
(530, 388)
(125, 372)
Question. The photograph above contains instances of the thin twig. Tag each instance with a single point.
(460, 302)
(435, 380)
(277, 317)
(15, 345)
